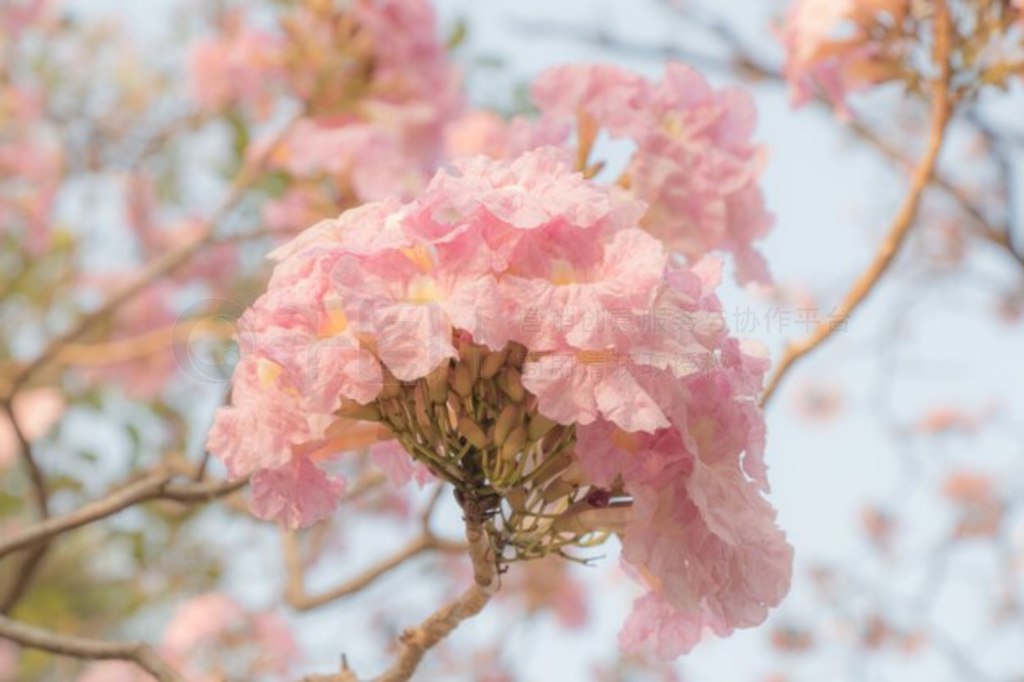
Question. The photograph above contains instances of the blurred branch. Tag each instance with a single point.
(426, 541)
(156, 485)
(905, 218)
(23, 574)
(164, 265)
(415, 642)
(92, 649)
(143, 345)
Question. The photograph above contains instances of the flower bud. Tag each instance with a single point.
(462, 380)
(509, 418)
(473, 433)
(539, 426)
(437, 384)
(350, 409)
(511, 383)
(472, 355)
(514, 444)
(516, 355)
(493, 362)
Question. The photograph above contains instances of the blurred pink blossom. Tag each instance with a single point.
(37, 410)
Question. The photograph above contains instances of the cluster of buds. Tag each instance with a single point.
(472, 423)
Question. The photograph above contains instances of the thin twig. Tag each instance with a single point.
(161, 266)
(24, 573)
(139, 653)
(426, 541)
(144, 345)
(904, 220)
(157, 485)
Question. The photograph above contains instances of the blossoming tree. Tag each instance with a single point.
(296, 278)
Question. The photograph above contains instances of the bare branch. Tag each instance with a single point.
(139, 653)
(156, 485)
(295, 591)
(164, 265)
(24, 572)
(415, 642)
(905, 218)
(145, 344)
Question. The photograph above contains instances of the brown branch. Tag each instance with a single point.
(295, 591)
(166, 264)
(139, 653)
(143, 345)
(415, 642)
(26, 570)
(156, 485)
(905, 218)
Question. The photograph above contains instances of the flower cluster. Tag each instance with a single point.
(31, 165)
(693, 161)
(204, 633)
(521, 335)
(837, 47)
(375, 84)
(833, 46)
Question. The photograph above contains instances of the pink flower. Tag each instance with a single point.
(198, 621)
(484, 132)
(115, 671)
(36, 410)
(378, 105)
(31, 167)
(211, 633)
(694, 163)
(391, 458)
(426, 302)
(238, 67)
(829, 47)
(700, 536)
(296, 494)
(8, 660)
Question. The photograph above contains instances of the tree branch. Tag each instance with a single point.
(415, 642)
(426, 541)
(905, 218)
(139, 653)
(161, 266)
(156, 485)
(23, 574)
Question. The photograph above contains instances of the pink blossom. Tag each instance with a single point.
(237, 67)
(31, 168)
(115, 671)
(211, 629)
(694, 163)
(829, 48)
(17, 16)
(484, 132)
(199, 620)
(391, 458)
(36, 410)
(296, 494)
(8, 660)
(628, 348)
(376, 129)
(701, 536)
